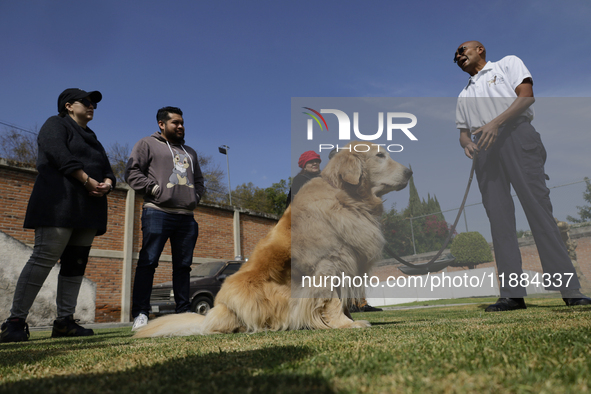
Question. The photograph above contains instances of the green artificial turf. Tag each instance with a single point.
(448, 349)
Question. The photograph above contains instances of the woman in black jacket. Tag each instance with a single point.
(67, 209)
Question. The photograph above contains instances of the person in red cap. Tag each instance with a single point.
(309, 162)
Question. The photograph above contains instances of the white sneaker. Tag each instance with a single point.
(140, 321)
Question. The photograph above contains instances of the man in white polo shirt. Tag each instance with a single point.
(494, 114)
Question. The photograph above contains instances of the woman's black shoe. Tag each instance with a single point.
(14, 330)
(68, 327)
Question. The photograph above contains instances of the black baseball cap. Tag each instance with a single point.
(76, 94)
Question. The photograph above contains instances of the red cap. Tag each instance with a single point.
(307, 156)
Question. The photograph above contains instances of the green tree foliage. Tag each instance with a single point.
(249, 196)
(433, 232)
(429, 227)
(397, 232)
(269, 200)
(277, 196)
(415, 206)
(585, 210)
(470, 249)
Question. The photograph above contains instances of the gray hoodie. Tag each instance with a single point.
(168, 174)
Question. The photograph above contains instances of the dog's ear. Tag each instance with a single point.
(350, 169)
(343, 168)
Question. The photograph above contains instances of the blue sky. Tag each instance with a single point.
(233, 67)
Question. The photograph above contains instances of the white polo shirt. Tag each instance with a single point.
(490, 92)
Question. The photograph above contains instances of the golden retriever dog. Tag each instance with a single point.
(331, 230)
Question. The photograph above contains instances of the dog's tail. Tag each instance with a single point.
(183, 324)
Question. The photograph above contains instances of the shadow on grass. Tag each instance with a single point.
(257, 371)
(385, 323)
(37, 349)
(571, 309)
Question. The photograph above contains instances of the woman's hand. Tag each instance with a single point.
(94, 187)
(102, 189)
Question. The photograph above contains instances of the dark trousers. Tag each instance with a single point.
(157, 228)
(52, 244)
(517, 159)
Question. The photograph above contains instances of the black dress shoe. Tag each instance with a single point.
(506, 304)
(575, 298)
(577, 301)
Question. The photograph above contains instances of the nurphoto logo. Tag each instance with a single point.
(392, 120)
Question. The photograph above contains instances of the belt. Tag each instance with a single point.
(518, 120)
(513, 123)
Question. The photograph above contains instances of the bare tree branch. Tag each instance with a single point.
(215, 192)
(118, 155)
(18, 147)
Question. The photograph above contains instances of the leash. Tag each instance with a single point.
(451, 230)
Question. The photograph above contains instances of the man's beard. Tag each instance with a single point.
(172, 137)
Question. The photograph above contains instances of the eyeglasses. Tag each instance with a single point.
(87, 103)
(459, 52)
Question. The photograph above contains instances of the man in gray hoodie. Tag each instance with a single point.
(168, 173)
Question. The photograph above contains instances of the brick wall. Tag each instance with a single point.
(106, 273)
(15, 189)
(216, 239)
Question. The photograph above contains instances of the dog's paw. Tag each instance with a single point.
(360, 324)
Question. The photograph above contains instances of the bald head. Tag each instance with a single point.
(471, 57)
(476, 44)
